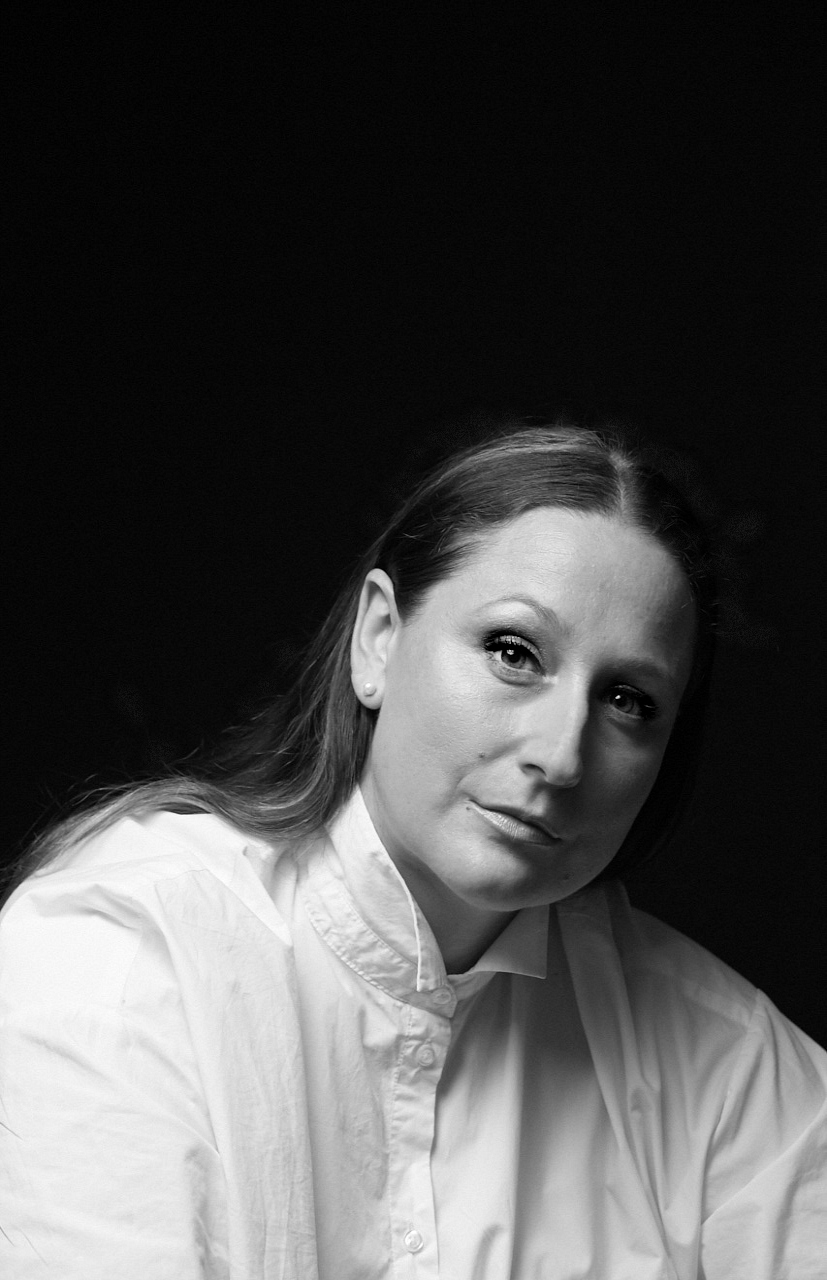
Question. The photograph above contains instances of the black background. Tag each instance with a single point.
(256, 258)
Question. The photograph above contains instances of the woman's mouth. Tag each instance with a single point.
(515, 828)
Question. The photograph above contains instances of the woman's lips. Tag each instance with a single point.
(513, 827)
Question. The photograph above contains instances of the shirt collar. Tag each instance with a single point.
(360, 903)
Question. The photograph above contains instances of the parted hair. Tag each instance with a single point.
(287, 769)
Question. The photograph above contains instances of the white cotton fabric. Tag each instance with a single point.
(224, 1061)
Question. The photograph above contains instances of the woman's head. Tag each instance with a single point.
(322, 744)
(523, 709)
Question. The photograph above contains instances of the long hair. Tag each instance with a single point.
(285, 771)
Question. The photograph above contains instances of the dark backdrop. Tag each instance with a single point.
(255, 260)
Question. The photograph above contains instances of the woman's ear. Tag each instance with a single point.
(377, 622)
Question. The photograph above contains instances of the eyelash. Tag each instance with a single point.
(647, 709)
(501, 641)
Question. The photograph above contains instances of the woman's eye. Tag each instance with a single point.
(512, 652)
(631, 702)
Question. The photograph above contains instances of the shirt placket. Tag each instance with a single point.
(422, 1052)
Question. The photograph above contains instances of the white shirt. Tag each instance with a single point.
(221, 1060)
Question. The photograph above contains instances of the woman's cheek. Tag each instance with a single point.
(633, 784)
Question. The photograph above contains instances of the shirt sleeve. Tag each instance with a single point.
(108, 1164)
(767, 1174)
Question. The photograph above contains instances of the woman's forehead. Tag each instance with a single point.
(581, 571)
(554, 543)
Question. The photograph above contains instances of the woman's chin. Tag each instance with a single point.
(513, 885)
(509, 893)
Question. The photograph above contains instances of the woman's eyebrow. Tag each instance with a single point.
(644, 668)
(545, 611)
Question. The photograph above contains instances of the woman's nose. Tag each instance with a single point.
(552, 740)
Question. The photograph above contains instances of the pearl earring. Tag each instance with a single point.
(368, 689)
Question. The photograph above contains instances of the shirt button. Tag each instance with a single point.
(425, 1056)
(413, 1241)
(443, 995)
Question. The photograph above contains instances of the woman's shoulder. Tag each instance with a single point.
(640, 982)
(141, 848)
(672, 984)
(652, 947)
(142, 868)
(157, 883)
(650, 952)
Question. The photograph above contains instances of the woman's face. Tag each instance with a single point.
(524, 708)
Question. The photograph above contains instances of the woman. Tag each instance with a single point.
(366, 996)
